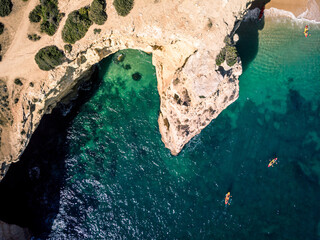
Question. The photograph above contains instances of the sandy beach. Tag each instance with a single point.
(298, 7)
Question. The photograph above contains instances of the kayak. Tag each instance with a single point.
(306, 31)
(261, 12)
(272, 162)
(227, 198)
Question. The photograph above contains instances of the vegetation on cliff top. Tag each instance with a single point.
(49, 57)
(5, 7)
(123, 7)
(97, 12)
(77, 25)
(68, 48)
(1, 28)
(48, 13)
(79, 21)
(229, 54)
(34, 37)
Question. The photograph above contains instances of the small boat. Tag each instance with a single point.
(306, 31)
(272, 162)
(261, 12)
(227, 198)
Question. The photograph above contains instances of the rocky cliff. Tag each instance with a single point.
(184, 37)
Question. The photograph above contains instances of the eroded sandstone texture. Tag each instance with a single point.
(184, 37)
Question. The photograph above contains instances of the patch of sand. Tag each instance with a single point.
(11, 24)
(309, 9)
(297, 7)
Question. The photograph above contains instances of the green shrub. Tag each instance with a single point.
(48, 13)
(227, 40)
(97, 12)
(5, 7)
(123, 7)
(18, 82)
(49, 57)
(77, 25)
(231, 55)
(35, 14)
(81, 60)
(34, 37)
(68, 48)
(221, 56)
(97, 31)
(1, 28)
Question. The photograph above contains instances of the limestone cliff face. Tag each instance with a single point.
(184, 37)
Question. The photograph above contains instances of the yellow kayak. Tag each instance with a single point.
(306, 31)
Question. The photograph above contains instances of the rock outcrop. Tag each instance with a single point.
(13, 232)
(184, 37)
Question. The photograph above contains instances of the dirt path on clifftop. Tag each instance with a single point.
(21, 52)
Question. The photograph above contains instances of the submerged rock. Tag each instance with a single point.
(120, 58)
(127, 67)
(136, 76)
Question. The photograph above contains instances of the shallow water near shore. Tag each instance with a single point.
(121, 183)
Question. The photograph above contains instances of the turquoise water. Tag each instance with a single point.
(123, 184)
(120, 182)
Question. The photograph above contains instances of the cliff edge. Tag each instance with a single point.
(184, 37)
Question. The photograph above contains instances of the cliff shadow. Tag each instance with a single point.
(248, 43)
(30, 191)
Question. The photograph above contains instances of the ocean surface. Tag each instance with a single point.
(100, 170)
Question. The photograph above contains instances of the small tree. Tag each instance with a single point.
(18, 82)
(221, 56)
(97, 12)
(76, 26)
(68, 48)
(97, 31)
(123, 7)
(231, 55)
(49, 57)
(5, 7)
(1, 28)
(48, 14)
(35, 14)
(34, 37)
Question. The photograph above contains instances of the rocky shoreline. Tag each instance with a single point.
(184, 41)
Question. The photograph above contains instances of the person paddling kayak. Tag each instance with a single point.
(272, 162)
(227, 198)
(306, 31)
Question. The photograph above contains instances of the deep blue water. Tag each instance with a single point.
(112, 178)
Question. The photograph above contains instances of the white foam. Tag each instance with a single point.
(274, 12)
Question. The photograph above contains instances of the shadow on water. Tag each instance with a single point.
(30, 191)
(248, 43)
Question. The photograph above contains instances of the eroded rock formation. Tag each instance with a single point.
(184, 37)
